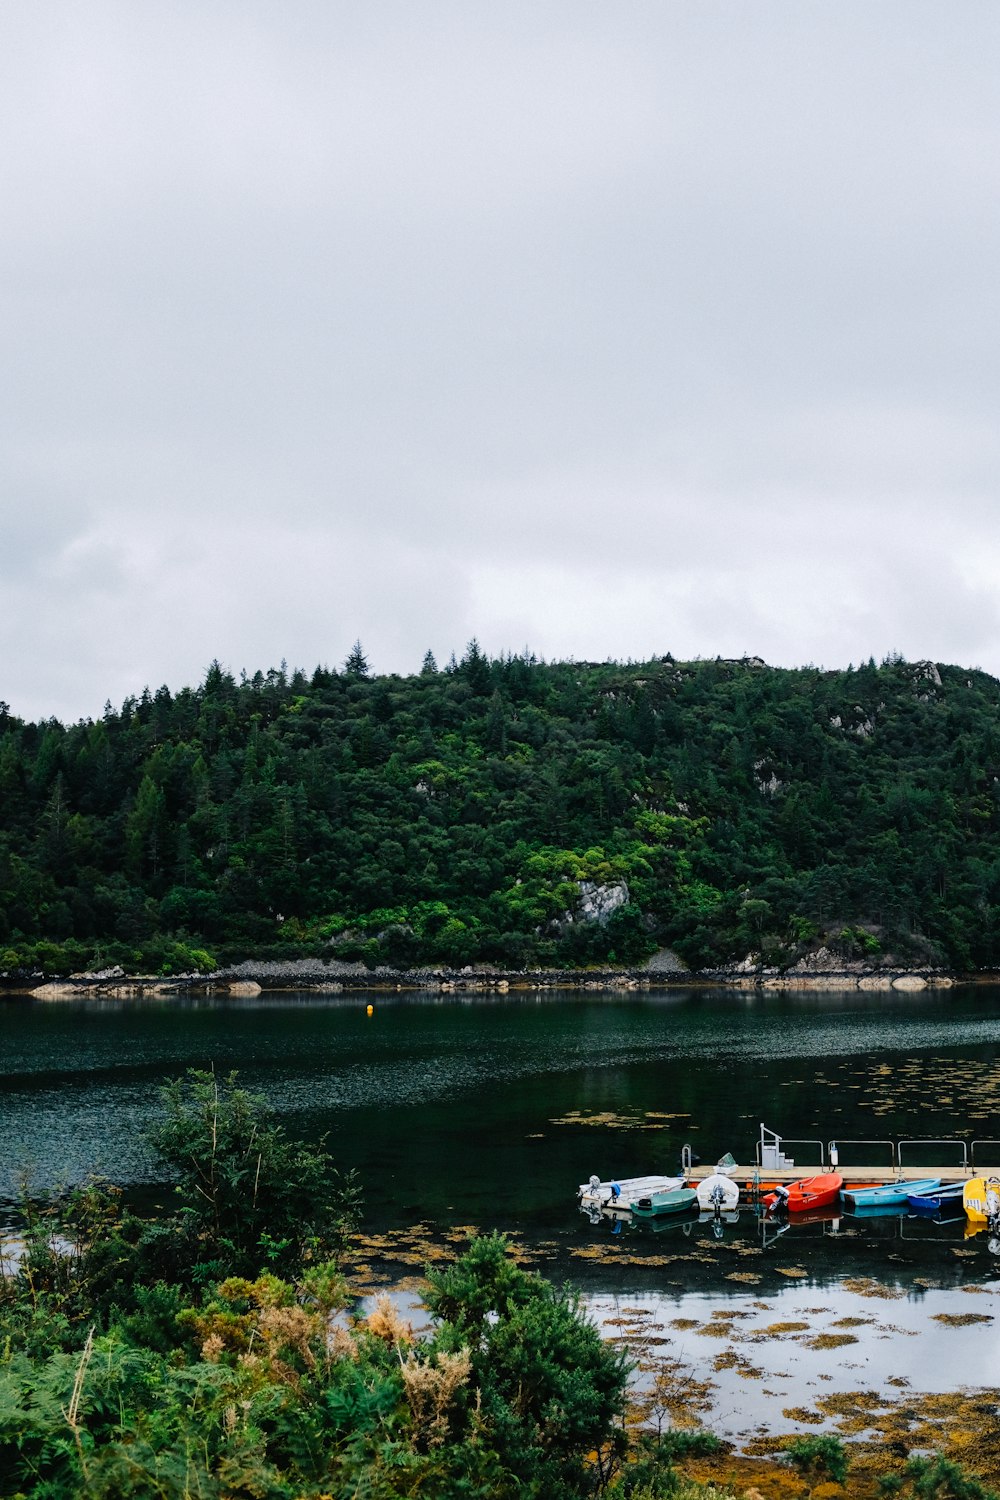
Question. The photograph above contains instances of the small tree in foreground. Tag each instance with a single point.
(549, 1391)
(250, 1197)
(820, 1455)
(935, 1478)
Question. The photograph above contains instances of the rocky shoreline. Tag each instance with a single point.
(818, 971)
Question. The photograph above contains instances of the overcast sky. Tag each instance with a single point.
(607, 327)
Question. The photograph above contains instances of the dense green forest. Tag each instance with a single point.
(464, 815)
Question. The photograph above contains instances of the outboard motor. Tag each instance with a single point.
(718, 1198)
(993, 1207)
(781, 1197)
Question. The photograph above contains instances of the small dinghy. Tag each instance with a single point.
(947, 1200)
(620, 1193)
(888, 1196)
(981, 1197)
(658, 1205)
(809, 1192)
(718, 1192)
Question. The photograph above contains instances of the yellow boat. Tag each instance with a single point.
(981, 1199)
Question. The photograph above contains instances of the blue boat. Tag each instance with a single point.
(946, 1200)
(890, 1195)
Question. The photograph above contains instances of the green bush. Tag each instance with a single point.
(249, 1196)
(820, 1454)
(935, 1478)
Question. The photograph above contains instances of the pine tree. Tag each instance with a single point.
(356, 664)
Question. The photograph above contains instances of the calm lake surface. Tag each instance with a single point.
(488, 1111)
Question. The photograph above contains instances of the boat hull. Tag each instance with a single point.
(602, 1194)
(809, 1192)
(981, 1199)
(718, 1191)
(929, 1205)
(659, 1205)
(889, 1196)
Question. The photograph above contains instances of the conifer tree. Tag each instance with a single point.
(356, 664)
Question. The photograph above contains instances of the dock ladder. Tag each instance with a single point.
(770, 1156)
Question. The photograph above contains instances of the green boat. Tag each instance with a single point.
(675, 1201)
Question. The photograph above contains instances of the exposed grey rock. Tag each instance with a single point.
(666, 961)
(927, 671)
(292, 968)
(598, 903)
(768, 785)
(824, 961)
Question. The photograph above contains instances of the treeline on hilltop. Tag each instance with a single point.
(476, 813)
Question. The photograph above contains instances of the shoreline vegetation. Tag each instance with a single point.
(514, 816)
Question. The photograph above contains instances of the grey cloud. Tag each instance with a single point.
(568, 325)
(34, 534)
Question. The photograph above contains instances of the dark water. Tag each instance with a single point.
(447, 1106)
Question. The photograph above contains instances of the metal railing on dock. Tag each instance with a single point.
(835, 1155)
(927, 1141)
(980, 1151)
(905, 1159)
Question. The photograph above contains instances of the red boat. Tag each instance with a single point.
(808, 1192)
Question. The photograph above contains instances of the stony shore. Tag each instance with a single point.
(254, 977)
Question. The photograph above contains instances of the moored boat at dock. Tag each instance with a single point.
(809, 1192)
(620, 1193)
(718, 1193)
(888, 1195)
(981, 1198)
(944, 1201)
(659, 1205)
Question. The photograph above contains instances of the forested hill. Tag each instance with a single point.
(480, 813)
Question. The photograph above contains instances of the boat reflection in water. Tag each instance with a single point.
(753, 1222)
(695, 1223)
(692, 1224)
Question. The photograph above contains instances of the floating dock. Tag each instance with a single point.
(779, 1159)
(884, 1173)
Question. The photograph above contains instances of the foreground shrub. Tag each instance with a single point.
(820, 1454)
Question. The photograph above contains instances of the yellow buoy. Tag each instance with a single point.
(369, 1010)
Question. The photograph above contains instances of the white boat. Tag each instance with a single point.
(620, 1193)
(718, 1192)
